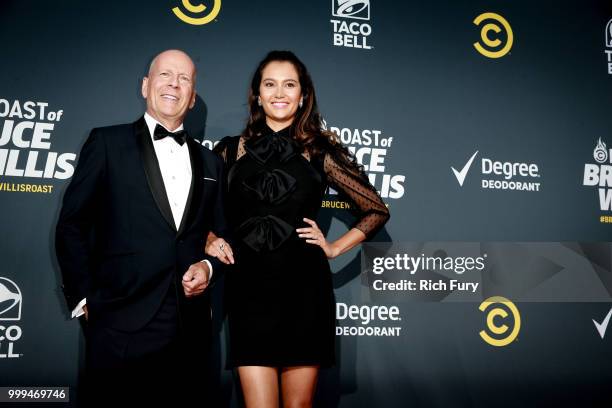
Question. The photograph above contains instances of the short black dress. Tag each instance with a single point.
(279, 294)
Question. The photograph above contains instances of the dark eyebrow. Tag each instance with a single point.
(284, 80)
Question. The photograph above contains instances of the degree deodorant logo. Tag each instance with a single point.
(202, 14)
(497, 317)
(495, 46)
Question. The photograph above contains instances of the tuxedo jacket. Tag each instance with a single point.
(116, 240)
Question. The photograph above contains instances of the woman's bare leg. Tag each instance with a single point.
(259, 386)
(298, 386)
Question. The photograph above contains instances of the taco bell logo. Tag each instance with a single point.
(608, 49)
(351, 34)
(10, 311)
(359, 9)
(10, 300)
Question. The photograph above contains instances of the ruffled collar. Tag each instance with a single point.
(270, 143)
(285, 132)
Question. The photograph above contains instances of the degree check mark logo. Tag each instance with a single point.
(601, 327)
(461, 174)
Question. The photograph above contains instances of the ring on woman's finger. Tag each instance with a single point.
(222, 246)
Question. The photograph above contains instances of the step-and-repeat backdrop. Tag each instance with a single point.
(485, 125)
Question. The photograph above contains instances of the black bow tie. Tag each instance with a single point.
(161, 132)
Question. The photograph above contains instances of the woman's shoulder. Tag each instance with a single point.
(227, 149)
(328, 145)
(227, 142)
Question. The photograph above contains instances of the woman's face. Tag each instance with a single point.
(280, 93)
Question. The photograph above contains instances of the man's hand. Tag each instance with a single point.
(195, 280)
(85, 311)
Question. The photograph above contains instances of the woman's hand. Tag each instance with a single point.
(219, 248)
(314, 236)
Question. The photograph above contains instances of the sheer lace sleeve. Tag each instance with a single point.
(221, 148)
(371, 210)
(230, 148)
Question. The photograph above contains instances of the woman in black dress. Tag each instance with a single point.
(279, 292)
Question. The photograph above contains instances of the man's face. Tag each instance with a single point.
(169, 87)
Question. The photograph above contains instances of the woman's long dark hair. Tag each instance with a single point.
(307, 124)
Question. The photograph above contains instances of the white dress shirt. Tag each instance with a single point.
(175, 166)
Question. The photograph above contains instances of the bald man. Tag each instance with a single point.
(130, 244)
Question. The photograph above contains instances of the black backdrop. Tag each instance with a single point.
(414, 99)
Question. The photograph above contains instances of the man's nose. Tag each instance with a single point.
(174, 81)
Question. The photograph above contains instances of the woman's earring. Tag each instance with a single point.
(301, 102)
(258, 101)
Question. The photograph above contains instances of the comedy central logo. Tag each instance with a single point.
(496, 45)
(498, 309)
(359, 9)
(199, 11)
(600, 153)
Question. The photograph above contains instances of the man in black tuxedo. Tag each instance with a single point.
(130, 243)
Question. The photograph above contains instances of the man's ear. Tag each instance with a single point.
(144, 89)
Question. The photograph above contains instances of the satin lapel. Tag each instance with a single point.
(152, 171)
(195, 191)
